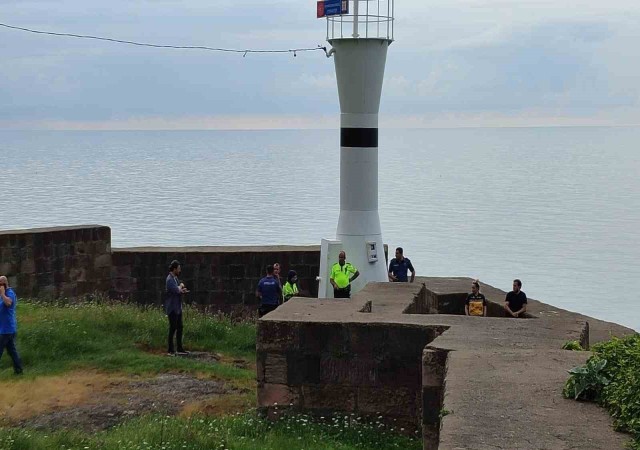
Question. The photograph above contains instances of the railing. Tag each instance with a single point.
(367, 19)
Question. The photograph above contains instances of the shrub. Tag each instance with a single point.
(612, 377)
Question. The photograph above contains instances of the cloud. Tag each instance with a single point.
(459, 59)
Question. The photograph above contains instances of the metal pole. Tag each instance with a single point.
(355, 18)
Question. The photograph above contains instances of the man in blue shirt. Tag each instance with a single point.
(399, 266)
(173, 307)
(270, 292)
(8, 323)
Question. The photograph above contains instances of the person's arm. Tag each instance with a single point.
(521, 310)
(413, 272)
(355, 275)
(466, 309)
(506, 307)
(259, 291)
(172, 286)
(8, 301)
(392, 277)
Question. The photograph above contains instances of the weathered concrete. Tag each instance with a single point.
(500, 378)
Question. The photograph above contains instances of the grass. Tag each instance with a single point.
(240, 431)
(120, 340)
(53, 339)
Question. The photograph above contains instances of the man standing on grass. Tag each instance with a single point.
(173, 307)
(9, 324)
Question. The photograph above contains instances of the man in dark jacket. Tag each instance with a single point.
(173, 307)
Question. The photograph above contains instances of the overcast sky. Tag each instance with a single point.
(454, 63)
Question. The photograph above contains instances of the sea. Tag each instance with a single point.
(558, 208)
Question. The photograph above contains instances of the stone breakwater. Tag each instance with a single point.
(50, 263)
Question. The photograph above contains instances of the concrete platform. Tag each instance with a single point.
(464, 382)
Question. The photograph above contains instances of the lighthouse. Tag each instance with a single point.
(360, 33)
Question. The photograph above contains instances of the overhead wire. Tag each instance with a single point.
(244, 52)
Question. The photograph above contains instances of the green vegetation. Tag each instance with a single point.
(572, 345)
(121, 339)
(612, 378)
(118, 337)
(240, 431)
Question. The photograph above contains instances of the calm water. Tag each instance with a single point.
(557, 207)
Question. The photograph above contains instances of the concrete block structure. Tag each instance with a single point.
(405, 352)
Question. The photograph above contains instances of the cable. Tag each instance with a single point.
(188, 47)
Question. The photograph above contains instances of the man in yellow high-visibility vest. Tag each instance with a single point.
(342, 274)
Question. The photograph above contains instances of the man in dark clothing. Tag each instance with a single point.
(515, 304)
(8, 323)
(173, 307)
(270, 293)
(399, 266)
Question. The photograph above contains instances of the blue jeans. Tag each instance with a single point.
(8, 341)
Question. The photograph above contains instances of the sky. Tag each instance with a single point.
(454, 63)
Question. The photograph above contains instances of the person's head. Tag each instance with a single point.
(292, 277)
(276, 269)
(175, 267)
(399, 253)
(342, 258)
(517, 285)
(475, 286)
(270, 270)
(4, 281)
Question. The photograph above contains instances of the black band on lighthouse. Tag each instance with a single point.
(358, 137)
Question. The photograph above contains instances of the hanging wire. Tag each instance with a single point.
(188, 47)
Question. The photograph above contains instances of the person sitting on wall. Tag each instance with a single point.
(476, 303)
(9, 324)
(515, 304)
(400, 266)
(269, 292)
(290, 288)
(173, 307)
(342, 274)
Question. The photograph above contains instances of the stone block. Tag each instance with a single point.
(431, 404)
(303, 368)
(275, 368)
(103, 261)
(317, 338)
(393, 400)
(433, 367)
(278, 336)
(26, 266)
(329, 397)
(277, 394)
(7, 268)
(348, 370)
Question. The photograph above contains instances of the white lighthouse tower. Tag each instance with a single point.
(360, 37)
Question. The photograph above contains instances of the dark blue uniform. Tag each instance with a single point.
(399, 269)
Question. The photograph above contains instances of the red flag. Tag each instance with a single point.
(320, 9)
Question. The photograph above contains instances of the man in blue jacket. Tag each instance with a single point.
(8, 323)
(269, 292)
(173, 307)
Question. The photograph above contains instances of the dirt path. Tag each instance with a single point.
(93, 401)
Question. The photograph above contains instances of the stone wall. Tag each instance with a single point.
(324, 368)
(225, 277)
(57, 262)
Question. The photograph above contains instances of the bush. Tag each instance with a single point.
(612, 378)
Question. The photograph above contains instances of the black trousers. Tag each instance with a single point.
(342, 293)
(266, 309)
(175, 327)
(8, 341)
